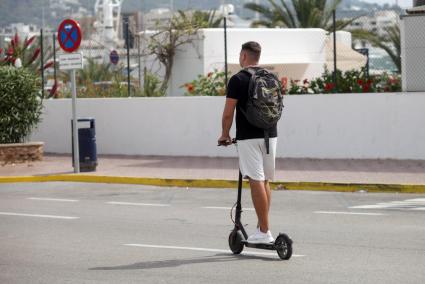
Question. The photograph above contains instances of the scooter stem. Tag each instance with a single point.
(238, 202)
(238, 222)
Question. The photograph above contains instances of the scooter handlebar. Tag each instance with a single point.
(227, 143)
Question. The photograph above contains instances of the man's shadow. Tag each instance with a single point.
(221, 257)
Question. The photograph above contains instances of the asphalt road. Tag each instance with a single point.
(98, 233)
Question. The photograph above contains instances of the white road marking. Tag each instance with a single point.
(204, 249)
(409, 204)
(137, 204)
(349, 213)
(52, 199)
(417, 200)
(39, 216)
(417, 209)
(227, 208)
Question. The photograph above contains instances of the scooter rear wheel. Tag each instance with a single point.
(283, 246)
(235, 241)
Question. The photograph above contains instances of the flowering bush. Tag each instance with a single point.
(26, 54)
(210, 85)
(348, 82)
(20, 104)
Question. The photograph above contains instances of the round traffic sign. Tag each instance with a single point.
(114, 57)
(69, 35)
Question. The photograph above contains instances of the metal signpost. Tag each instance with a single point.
(69, 37)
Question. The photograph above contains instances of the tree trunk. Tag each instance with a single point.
(168, 69)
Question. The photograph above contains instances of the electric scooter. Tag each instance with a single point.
(238, 237)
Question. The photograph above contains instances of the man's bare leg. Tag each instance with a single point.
(260, 200)
(269, 194)
(269, 198)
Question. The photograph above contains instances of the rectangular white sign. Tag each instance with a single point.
(69, 61)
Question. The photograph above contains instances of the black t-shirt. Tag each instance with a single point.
(238, 89)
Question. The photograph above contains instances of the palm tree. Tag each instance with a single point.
(390, 42)
(300, 14)
(95, 72)
(207, 19)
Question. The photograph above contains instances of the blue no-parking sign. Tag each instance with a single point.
(69, 35)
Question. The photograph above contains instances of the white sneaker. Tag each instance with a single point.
(261, 238)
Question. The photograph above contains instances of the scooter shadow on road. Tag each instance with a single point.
(221, 257)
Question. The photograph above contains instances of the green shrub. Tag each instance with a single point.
(152, 86)
(20, 103)
(354, 81)
(211, 85)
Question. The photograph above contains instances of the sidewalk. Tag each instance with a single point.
(309, 172)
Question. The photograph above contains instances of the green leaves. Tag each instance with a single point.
(300, 14)
(390, 42)
(20, 104)
(182, 29)
(210, 85)
(354, 81)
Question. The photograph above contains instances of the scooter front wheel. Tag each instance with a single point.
(235, 241)
(283, 245)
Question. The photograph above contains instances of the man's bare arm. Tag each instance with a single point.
(227, 119)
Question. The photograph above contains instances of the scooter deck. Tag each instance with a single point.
(270, 246)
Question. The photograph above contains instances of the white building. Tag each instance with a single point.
(377, 23)
(21, 29)
(293, 54)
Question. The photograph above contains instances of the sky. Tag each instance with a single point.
(401, 3)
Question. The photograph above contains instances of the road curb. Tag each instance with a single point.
(211, 183)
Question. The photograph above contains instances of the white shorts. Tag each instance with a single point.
(254, 162)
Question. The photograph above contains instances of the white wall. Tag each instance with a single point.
(313, 126)
(412, 35)
(279, 46)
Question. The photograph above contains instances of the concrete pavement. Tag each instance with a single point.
(343, 174)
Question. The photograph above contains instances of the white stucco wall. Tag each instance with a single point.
(412, 41)
(279, 46)
(316, 126)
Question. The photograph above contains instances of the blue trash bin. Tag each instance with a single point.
(87, 145)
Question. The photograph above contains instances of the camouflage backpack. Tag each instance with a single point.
(265, 100)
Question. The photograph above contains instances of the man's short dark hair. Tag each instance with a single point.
(253, 48)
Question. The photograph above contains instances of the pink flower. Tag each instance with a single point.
(329, 86)
(189, 88)
(52, 92)
(35, 55)
(29, 41)
(48, 65)
(10, 51)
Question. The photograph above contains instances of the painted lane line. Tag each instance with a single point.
(349, 213)
(227, 208)
(417, 209)
(137, 204)
(38, 216)
(395, 205)
(417, 200)
(204, 249)
(370, 207)
(53, 199)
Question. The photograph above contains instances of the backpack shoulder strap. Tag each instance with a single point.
(251, 71)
